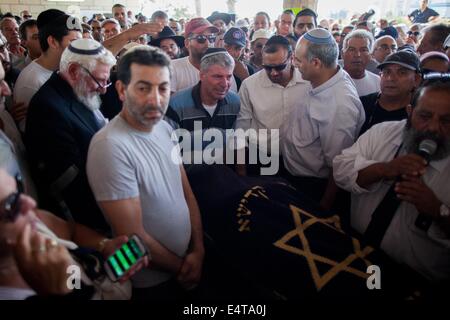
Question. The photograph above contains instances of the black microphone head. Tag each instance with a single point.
(427, 148)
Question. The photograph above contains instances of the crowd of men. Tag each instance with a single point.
(92, 115)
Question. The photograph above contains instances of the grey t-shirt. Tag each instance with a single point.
(125, 163)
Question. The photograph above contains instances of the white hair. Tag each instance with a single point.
(360, 34)
(88, 61)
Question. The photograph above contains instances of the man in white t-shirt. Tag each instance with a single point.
(143, 189)
(54, 37)
(200, 34)
(356, 55)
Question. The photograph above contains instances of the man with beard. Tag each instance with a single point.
(62, 118)
(304, 21)
(199, 35)
(142, 187)
(387, 154)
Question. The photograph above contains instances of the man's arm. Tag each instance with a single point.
(125, 217)
(191, 268)
(116, 43)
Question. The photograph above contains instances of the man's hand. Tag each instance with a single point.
(152, 28)
(240, 70)
(42, 262)
(410, 164)
(191, 269)
(19, 111)
(413, 190)
(112, 245)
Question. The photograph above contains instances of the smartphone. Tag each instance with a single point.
(124, 258)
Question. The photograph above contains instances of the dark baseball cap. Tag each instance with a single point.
(404, 58)
(235, 36)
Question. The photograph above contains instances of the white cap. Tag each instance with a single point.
(241, 23)
(261, 33)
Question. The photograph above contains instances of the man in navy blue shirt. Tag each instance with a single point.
(424, 14)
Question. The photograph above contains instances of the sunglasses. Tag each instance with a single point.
(203, 39)
(278, 67)
(415, 34)
(108, 83)
(10, 206)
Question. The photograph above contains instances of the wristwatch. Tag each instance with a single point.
(444, 211)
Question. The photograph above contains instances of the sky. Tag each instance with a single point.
(248, 8)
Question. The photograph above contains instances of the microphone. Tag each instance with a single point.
(426, 149)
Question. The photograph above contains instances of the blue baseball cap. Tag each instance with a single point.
(235, 36)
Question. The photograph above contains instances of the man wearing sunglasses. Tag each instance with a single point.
(268, 97)
(199, 35)
(62, 118)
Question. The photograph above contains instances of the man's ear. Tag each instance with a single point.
(417, 81)
(74, 71)
(52, 43)
(121, 88)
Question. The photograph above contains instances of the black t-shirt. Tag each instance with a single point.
(422, 17)
(377, 114)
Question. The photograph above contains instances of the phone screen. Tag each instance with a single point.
(125, 257)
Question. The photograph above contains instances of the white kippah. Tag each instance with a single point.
(88, 47)
(319, 36)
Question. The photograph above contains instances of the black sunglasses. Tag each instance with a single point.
(203, 39)
(415, 33)
(10, 206)
(278, 67)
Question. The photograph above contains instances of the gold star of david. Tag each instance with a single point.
(336, 267)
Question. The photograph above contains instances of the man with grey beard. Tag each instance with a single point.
(387, 157)
(62, 118)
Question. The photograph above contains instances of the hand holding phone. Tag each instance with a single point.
(125, 259)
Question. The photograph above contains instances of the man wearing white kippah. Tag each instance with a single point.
(62, 118)
(324, 122)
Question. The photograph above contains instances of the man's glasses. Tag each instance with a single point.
(415, 33)
(11, 205)
(108, 83)
(28, 16)
(278, 67)
(202, 39)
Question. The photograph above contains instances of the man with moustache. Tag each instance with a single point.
(62, 118)
(142, 188)
(386, 157)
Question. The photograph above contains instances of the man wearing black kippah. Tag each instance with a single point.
(54, 37)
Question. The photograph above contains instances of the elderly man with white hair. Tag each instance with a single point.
(62, 118)
(356, 53)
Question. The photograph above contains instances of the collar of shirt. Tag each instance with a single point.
(329, 83)
(198, 100)
(296, 79)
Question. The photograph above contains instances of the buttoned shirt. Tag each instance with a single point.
(326, 121)
(428, 252)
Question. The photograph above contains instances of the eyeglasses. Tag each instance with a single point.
(108, 83)
(28, 16)
(10, 206)
(278, 68)
(415, 34)
(202, 39)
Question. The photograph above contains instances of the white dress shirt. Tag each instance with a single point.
(267, 105)
(325, 121)
(428, 252)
